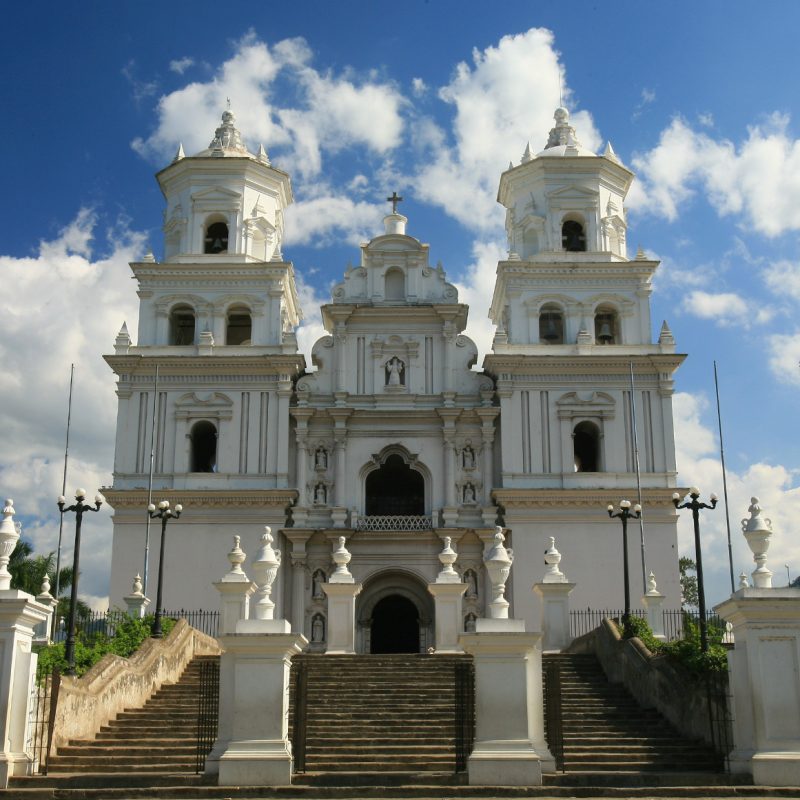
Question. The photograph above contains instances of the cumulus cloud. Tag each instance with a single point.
(312, 113)
(321, 221)
(69, 300)
(757, 180)
(502, 100)
(784, 357)
(783, 278)
(776, 486)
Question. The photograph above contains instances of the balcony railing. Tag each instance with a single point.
(393, 523)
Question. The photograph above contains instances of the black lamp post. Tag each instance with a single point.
(80, 507)
(695, 505)
(164, 513)
(624, 514)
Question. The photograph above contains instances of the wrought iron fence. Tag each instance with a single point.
(299, 714)
(676, 622)
(207, 710)
(104, 623)
(203, 621)
(720, 724)
(394, 523)
(554, 731)
(465, 712)
(44, 702)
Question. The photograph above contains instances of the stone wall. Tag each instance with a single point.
(654, 680)
(115, 683)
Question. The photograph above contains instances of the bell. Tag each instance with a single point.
(605, 336)
(551, 333)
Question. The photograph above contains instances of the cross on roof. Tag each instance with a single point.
(394, 200)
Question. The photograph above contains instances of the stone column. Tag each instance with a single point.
(298, 592)
(341, 591)
(510, 748)
(284, 395)
(447, 592)
(554, 591)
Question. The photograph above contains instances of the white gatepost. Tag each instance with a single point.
(19, 614)
(252, 746)
(554, 591)
(341, 591)
(652, 600)
(136, 602)
(764, 668)
(447, 592)
(509, 748)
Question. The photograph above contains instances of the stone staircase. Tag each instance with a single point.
(378, 719)
(606, 731)
(159, 738)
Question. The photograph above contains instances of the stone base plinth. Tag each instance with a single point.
(341, 616)
(449, 617)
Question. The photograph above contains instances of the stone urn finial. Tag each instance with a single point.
(137, 585)
(447, 558)
(743, 583)
(552, 558)
(9, 535)
(265, 569)
(237, 557)
(341, 557)
(498, 564)
(652, 586)
(757, 530)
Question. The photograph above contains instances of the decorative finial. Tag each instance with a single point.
(511, 165)
(757, 530)
(527, 155)
(262, 155)
(640, 254)
(498, 563)
(563, 133)
(743, 583)
(394, 200)
(265, 569)
(180, 154)
(341, 557)
(552, 558)
(447, 558)
(45, 585)
(610, 154)
(665, 337)
(9, 535)
(227, 136)
(652, 587)
(237, 556)
(137, 585)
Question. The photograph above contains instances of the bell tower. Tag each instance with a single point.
(206, 386)
(578, 372)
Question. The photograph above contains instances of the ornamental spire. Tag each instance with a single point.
(227, 136)
(563, 133)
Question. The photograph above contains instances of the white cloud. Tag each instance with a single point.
(321, 221)
(647, 97)
(180, 65)
(757, 180)
(67, 302)
(783, 278)
(312, 113)
(784, 358)
(505, 98)
(726, 308)
(775, 486)
(418, 87)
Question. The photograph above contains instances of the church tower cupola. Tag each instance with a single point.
(224, 203)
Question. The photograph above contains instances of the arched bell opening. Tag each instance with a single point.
(181, 325)
(394, 489)
(551, 324)
(394, 614)
(216, 237)
(573, 236)
(606, 325)
(239, 326)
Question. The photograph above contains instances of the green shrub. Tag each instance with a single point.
(128, 635)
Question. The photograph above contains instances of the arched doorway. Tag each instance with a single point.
(394, 614)
(395, 626)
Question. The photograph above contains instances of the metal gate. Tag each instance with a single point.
(554, 731)
(465, 712)
(299, 713)
(720, 723)
(207, 711)
(44, 702)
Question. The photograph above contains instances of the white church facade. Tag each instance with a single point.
(394, 437)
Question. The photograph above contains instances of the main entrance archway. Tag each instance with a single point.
(394, 614)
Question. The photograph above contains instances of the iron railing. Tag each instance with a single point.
(394, 523)
(44, 702)
(720, 724)
(104, 623)
(554, 732)
(299, 714)
(676, 622)
(465, 712)
(207, 711)
(203, 621)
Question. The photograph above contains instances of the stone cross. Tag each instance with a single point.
(394, 200)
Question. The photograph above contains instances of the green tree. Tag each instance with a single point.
(689, 596)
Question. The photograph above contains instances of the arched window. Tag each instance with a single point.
(181, 325)
(216, 238)
(551, 324)
(239, 327)
(586, 446)
(395, 284)
(573, 236)
(395, 490)
(203, 457)
(606, 325)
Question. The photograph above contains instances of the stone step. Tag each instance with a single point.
(129, 750)
(119, 766)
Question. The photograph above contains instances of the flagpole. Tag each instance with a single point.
(638, 481)
(54, 621)
(150, 486)
(724, 479)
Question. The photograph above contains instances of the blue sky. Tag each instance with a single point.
(433, 100)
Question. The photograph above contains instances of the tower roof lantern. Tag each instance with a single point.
(227, 140)
(562, 140)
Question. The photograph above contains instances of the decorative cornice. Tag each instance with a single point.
(580, 498)
(201, 498)
(604, 363)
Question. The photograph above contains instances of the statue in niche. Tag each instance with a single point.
(468, 457)
(471, 579)
(317, 579)
(320, 495)
(394, 372)
(469, 494)
(321, 458)
(318, 628)
(469, 623)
